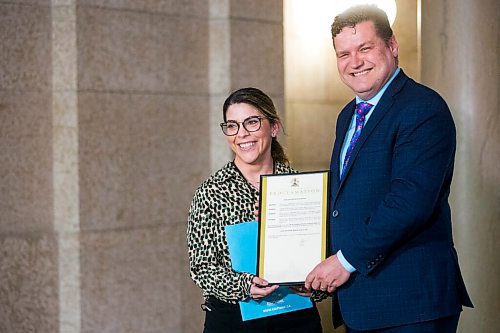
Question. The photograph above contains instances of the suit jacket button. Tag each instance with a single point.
(335, 213)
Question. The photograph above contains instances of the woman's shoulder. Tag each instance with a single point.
(218, 177)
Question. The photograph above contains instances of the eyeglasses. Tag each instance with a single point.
(251, 124)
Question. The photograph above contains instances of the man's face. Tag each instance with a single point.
(365, 62)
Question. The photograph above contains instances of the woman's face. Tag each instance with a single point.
(252, 148)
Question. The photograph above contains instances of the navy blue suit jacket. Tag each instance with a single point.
(390, 214)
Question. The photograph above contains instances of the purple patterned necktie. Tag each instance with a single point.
(361, 111)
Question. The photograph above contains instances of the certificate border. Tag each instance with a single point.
(262, 219)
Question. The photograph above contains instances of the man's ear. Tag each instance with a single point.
(394, 46)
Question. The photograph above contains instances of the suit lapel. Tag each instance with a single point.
(383, 107)
(343, 123)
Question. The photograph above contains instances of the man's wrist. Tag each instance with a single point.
(345, 263)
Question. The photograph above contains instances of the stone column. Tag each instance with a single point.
(65, 163)
(109, 115)
(29, 255)
(460, 60)
(219, 78)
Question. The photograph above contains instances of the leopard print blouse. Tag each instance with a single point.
(225, 198)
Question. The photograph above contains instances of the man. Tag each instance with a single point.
(393, 266)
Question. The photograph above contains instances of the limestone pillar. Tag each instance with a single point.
(460, 60)
(29, 258)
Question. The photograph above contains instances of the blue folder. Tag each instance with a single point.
(242, 241)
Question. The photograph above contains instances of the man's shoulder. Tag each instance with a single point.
(411, 87)
(418, 93)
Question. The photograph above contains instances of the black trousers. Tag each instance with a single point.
(225, 317)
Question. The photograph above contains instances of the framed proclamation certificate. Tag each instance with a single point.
(293, 222)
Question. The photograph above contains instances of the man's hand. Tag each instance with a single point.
(328, 275)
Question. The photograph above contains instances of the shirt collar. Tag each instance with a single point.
(375, 99)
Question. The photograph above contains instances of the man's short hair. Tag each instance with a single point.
(363, 13)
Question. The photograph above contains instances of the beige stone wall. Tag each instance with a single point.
(28, 243)
(109, 115)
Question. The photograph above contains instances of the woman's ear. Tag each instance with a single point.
(275, 128)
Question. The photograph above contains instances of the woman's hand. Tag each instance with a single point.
(260, 288)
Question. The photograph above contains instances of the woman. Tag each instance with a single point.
(229, 196)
